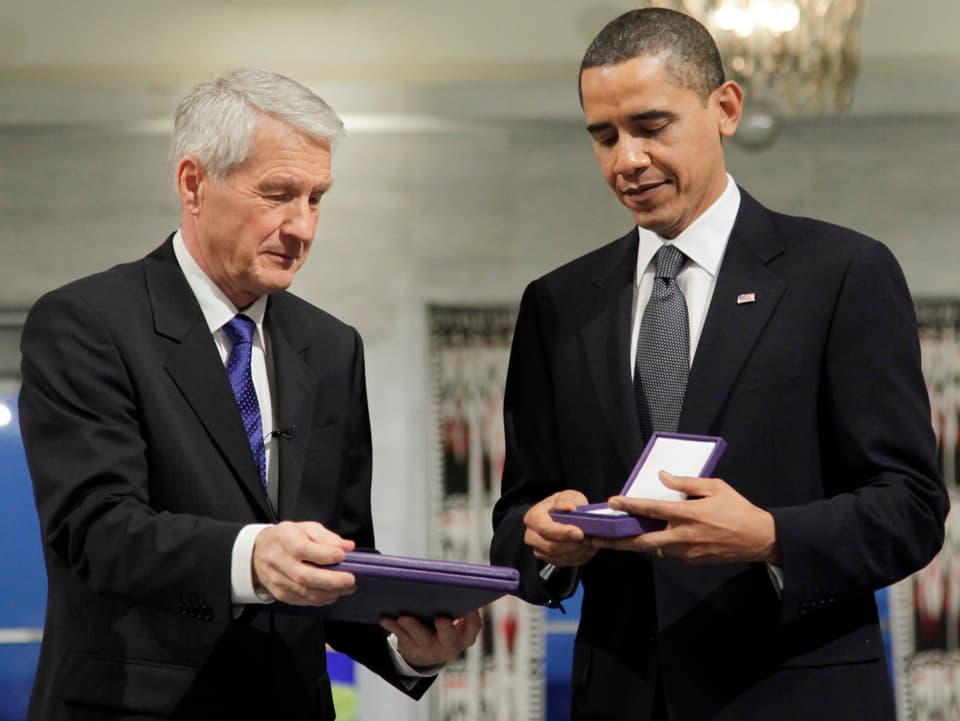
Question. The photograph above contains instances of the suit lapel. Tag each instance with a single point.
(294, 383)
(195, 367)
(606, 344)
(733, 324)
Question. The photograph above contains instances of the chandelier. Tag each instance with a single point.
(793, 58)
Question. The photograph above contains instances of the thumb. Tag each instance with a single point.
(692, 486)
(684, 484)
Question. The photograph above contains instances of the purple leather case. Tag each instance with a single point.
(421, 587)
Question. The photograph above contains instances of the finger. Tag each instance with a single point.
(568, 500)
(447, 633)
(298, 542)
(690, 485)
(320, 552)
(323, 579)
(576, 557)
(469, 629)
(551, 537)
(390, 624)
(293, 581)
(561, 553)
(288, 590)
(643, 543)
(561, 532)
(319, 533)
(416, 632)
(306, 597)
(455, 636)
(649, 508)
(633, 543)
(538, 515)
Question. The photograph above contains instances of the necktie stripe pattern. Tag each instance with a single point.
(240, 330)
(663, 348)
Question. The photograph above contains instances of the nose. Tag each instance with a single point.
(301, 220)
(631, 156)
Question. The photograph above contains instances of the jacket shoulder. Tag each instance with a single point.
(797, 232)
(116, 289)
(597, 265)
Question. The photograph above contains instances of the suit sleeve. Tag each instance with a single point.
(882, 515)
(80, 423)
(531, 469)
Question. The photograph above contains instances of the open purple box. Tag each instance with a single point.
(681, 454)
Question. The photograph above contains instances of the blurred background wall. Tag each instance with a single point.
(465, 171)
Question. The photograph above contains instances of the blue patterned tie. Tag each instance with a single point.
(240, 331)
(663, 355)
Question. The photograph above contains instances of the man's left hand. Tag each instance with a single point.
(423, 647)
(714, 525)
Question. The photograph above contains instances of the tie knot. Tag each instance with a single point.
(668, 261)
(240, 329)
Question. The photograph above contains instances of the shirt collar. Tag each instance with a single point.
(704, 241)
(217, 309)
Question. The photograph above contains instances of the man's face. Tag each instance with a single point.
(251, 231)
(658, 145)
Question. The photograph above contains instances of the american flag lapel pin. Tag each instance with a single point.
(746, 298)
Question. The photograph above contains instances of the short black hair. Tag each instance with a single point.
(681, 41)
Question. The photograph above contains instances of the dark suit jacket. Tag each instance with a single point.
(143, 478)
(816, 387)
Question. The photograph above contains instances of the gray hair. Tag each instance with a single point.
(214, 123)
(683, 43)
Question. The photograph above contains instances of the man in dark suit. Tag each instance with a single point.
(178, 498)
(756, 601)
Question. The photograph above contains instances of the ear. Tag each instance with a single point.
(191, 180)
(729, 100)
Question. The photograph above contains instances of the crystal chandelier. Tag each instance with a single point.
(793, 57)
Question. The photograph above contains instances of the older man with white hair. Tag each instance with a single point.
(199, 444)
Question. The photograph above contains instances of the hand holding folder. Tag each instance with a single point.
(396, 586)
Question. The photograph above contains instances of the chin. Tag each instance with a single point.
(656, 223)
(277, 278)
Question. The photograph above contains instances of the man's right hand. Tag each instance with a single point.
(558, 543)
(288, 561)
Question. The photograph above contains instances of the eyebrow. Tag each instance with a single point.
(635, 118)
(287, 185)
(274, 184)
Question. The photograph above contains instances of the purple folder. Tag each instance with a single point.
(421, 587)
(681, 454)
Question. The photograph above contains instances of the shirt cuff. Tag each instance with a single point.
(241, 568)
(405, 669)
(776, 578)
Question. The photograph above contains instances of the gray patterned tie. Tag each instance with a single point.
(663, 355)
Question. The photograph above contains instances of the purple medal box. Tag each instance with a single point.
(680, 454)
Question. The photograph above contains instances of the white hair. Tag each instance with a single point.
(214, 123)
